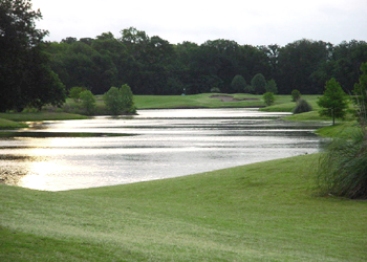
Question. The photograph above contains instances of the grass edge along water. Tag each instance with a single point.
(267, 211)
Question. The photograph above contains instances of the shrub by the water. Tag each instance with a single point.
(113, 101)
(88, 101)
(119, 100)
(268, 98)
(75, 91)
(302, 107)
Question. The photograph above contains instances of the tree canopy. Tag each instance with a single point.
(151, 65)
(26, 79)
(34, 73)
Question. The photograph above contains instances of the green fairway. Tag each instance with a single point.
(261, 212)
(207, 100)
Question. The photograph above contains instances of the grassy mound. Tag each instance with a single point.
(261, 212)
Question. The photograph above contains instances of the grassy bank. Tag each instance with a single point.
(74, 110)
(8, 124)
(283, 103)
(260, 212)
(39, 116)
(17, 120)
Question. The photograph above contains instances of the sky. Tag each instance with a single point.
(255, 22)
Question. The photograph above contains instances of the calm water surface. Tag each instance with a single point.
(164, 143)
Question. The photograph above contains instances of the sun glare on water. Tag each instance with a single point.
(40, 175)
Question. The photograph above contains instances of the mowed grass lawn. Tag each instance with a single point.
(267, 211)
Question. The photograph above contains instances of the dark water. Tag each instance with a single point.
(162, 144)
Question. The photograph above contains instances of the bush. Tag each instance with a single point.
(113, 101)
(127, 99)
(119, 100)
(302, 107)
(88, 101)
(268, 98)
(295, 95)
(75, 91)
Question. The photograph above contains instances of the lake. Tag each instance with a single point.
(160, 144)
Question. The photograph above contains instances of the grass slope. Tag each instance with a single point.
(16, 120)
(261, 212)
(40, 116)
(9, 124)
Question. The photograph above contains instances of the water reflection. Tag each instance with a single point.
(167, 143)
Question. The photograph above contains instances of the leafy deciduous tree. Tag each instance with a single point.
(25, 76)
(75, 91)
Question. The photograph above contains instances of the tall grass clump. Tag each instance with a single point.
(343, 167)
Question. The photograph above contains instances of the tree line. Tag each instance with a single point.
(151, 65)
(34, 72)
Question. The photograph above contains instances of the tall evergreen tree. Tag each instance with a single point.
(258, 82)
(334, 102)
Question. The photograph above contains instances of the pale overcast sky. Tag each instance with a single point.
(257, 22)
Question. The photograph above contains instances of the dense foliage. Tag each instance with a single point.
(88, 101)
(26, 78)
(343, 169)
(151, 65)
(119, 100)
(268, 98)
(34, 73)
(360, 94)
(238, 84)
